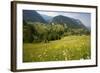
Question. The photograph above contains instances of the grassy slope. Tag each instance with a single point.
(68, 48)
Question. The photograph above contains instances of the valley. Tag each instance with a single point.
(55, 38)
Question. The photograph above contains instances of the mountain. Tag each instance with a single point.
(70, 22)
(46, 17)
(32, 16)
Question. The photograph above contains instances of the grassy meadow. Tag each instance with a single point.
(74, 47)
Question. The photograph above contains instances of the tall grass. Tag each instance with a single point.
(67, 48)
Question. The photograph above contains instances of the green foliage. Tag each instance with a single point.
(24, 22)
(40, 32)
(79, 31)
(27, 34)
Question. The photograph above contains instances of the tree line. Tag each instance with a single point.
(42, 32)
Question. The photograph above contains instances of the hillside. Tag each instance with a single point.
(67, 21)
(32, 16)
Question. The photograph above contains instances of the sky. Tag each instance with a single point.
(85, 18)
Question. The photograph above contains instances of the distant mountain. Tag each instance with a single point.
(70, 22)
(47, 18)
(32, 16)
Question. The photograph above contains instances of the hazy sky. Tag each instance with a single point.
(85, 18)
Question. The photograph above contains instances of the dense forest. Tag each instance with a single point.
(40, 32)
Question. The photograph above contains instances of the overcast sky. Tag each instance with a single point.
(85, 18)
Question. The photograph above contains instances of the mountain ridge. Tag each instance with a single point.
(33, 16)
(70, 22)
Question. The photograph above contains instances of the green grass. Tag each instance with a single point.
(68, 48)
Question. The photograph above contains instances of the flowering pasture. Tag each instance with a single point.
(67, 48)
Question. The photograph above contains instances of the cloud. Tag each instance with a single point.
(49, 13)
